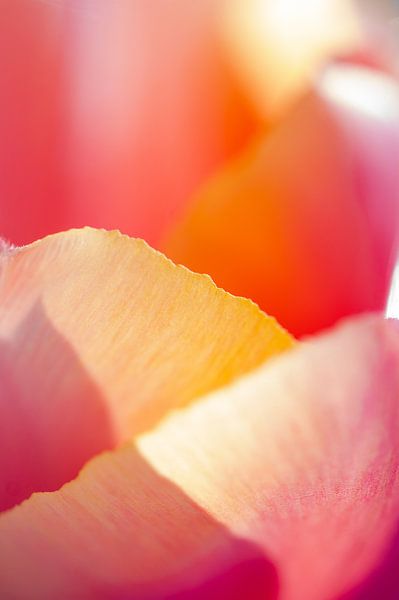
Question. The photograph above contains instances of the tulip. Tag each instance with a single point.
(232, 462)
(160, 437)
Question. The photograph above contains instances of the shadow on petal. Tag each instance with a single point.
(383, 581)
(250, 577)
(52, 416)
(122, 531)
(118, 531)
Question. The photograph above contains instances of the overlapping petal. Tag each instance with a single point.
(285, 483)
(113, 113)
(304, 222)
(299, 460)
(100, 337)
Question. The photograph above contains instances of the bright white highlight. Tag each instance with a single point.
(369, 92)
(392, 309)
(276, 46)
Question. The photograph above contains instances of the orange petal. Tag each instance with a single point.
(300, 459)
(100, 337)
(305, 221)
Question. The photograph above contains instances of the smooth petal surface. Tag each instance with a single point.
(305, 221)
(111, 113)
(276, 47)
(100, 337)
(300, 459)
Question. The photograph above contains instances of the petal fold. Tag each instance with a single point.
(298, 460)
(100, 336)
(305, 220)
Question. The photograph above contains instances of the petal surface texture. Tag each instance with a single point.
(296, 463)
(100, 337)
(305, 221)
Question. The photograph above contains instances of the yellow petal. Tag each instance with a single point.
(100, 337)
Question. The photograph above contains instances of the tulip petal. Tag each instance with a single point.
(111, 113)
(100, 337)
(304, 222)
(139, 537)
(383, 581)
(300, 459)
(306, 464)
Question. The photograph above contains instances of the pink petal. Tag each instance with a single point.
(111, 112)
(300, 459)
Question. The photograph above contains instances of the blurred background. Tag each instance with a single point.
(240, 136)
